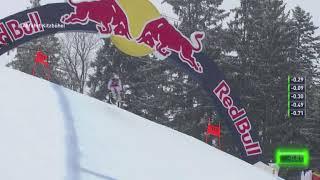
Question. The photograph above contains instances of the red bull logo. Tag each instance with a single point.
(239, 117)
(164, 38)
(109, 17)
(157, 34)
(13, 30)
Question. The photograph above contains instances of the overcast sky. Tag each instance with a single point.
(13, 6)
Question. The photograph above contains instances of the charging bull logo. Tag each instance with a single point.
(109, 17)
(165, 38)
(158, 34)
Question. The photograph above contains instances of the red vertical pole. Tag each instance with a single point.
(207, 130)
(48, 74)
(219, 135)
(33, 71)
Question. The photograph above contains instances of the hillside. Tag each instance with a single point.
(49, 132)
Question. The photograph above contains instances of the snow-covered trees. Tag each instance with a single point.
(50, 45)
(78, 49)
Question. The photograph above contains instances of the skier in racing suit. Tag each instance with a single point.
(115, 86)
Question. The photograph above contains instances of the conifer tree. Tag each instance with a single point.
(50, 45)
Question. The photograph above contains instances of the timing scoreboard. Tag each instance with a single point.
(292, 157)
(296, 96)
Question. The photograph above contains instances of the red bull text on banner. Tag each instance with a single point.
(239, 117)
(13, 30)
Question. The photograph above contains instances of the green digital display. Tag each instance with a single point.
(292, 158)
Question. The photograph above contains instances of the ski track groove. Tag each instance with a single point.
(71, 138)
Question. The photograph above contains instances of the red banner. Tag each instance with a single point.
(41, 58)
(214, 130)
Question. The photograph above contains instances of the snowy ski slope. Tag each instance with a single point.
(51, 133)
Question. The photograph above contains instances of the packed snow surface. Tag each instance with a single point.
(51, 133)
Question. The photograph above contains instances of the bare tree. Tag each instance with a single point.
(78, 49)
